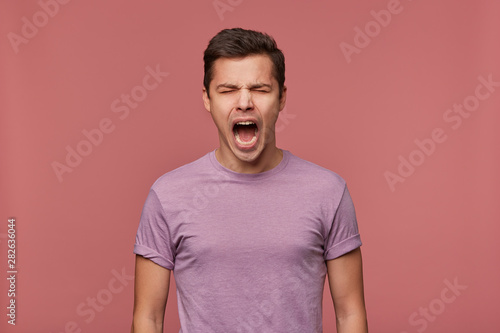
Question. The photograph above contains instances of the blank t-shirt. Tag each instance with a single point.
(248, 251)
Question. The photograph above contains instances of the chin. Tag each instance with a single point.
(248, 157)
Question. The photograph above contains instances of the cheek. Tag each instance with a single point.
(220, 117)
(267, 104)
(272, 113)
(223, 106)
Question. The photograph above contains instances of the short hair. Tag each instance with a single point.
(238, 42)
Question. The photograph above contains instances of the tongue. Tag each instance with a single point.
(246, 133)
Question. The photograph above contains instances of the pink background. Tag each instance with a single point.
(355, 114)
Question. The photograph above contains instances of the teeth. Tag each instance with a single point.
(237, 136)
(243, 143)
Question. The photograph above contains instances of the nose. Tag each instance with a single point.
(245, 102)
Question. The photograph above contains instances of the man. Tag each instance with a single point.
(249, 230)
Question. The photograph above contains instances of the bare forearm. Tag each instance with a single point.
(144, 325)
(150, 296)
(352, 324)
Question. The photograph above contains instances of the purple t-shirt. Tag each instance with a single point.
(248, 251)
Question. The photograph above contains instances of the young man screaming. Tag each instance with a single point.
(249, 230)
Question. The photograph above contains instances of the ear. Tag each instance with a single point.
(206, 99)
(283, 99)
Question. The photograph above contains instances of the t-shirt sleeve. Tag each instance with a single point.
(343, 236)
(153, 240)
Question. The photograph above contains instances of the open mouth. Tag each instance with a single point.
(245, 133)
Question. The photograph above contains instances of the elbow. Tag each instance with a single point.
(352, 321)
(146, 324)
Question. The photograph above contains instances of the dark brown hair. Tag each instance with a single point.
(238, 42)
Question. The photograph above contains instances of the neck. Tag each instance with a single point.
(267, 160)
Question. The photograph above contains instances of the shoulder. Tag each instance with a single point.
(315, 174)
(180, 177)
(318, 186)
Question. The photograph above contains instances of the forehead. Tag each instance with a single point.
(249, 69)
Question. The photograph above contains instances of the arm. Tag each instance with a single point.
(345, 276)
(150, 296)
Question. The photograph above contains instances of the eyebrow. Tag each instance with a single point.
(252, 86)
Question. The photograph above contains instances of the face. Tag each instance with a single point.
(244, 104)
